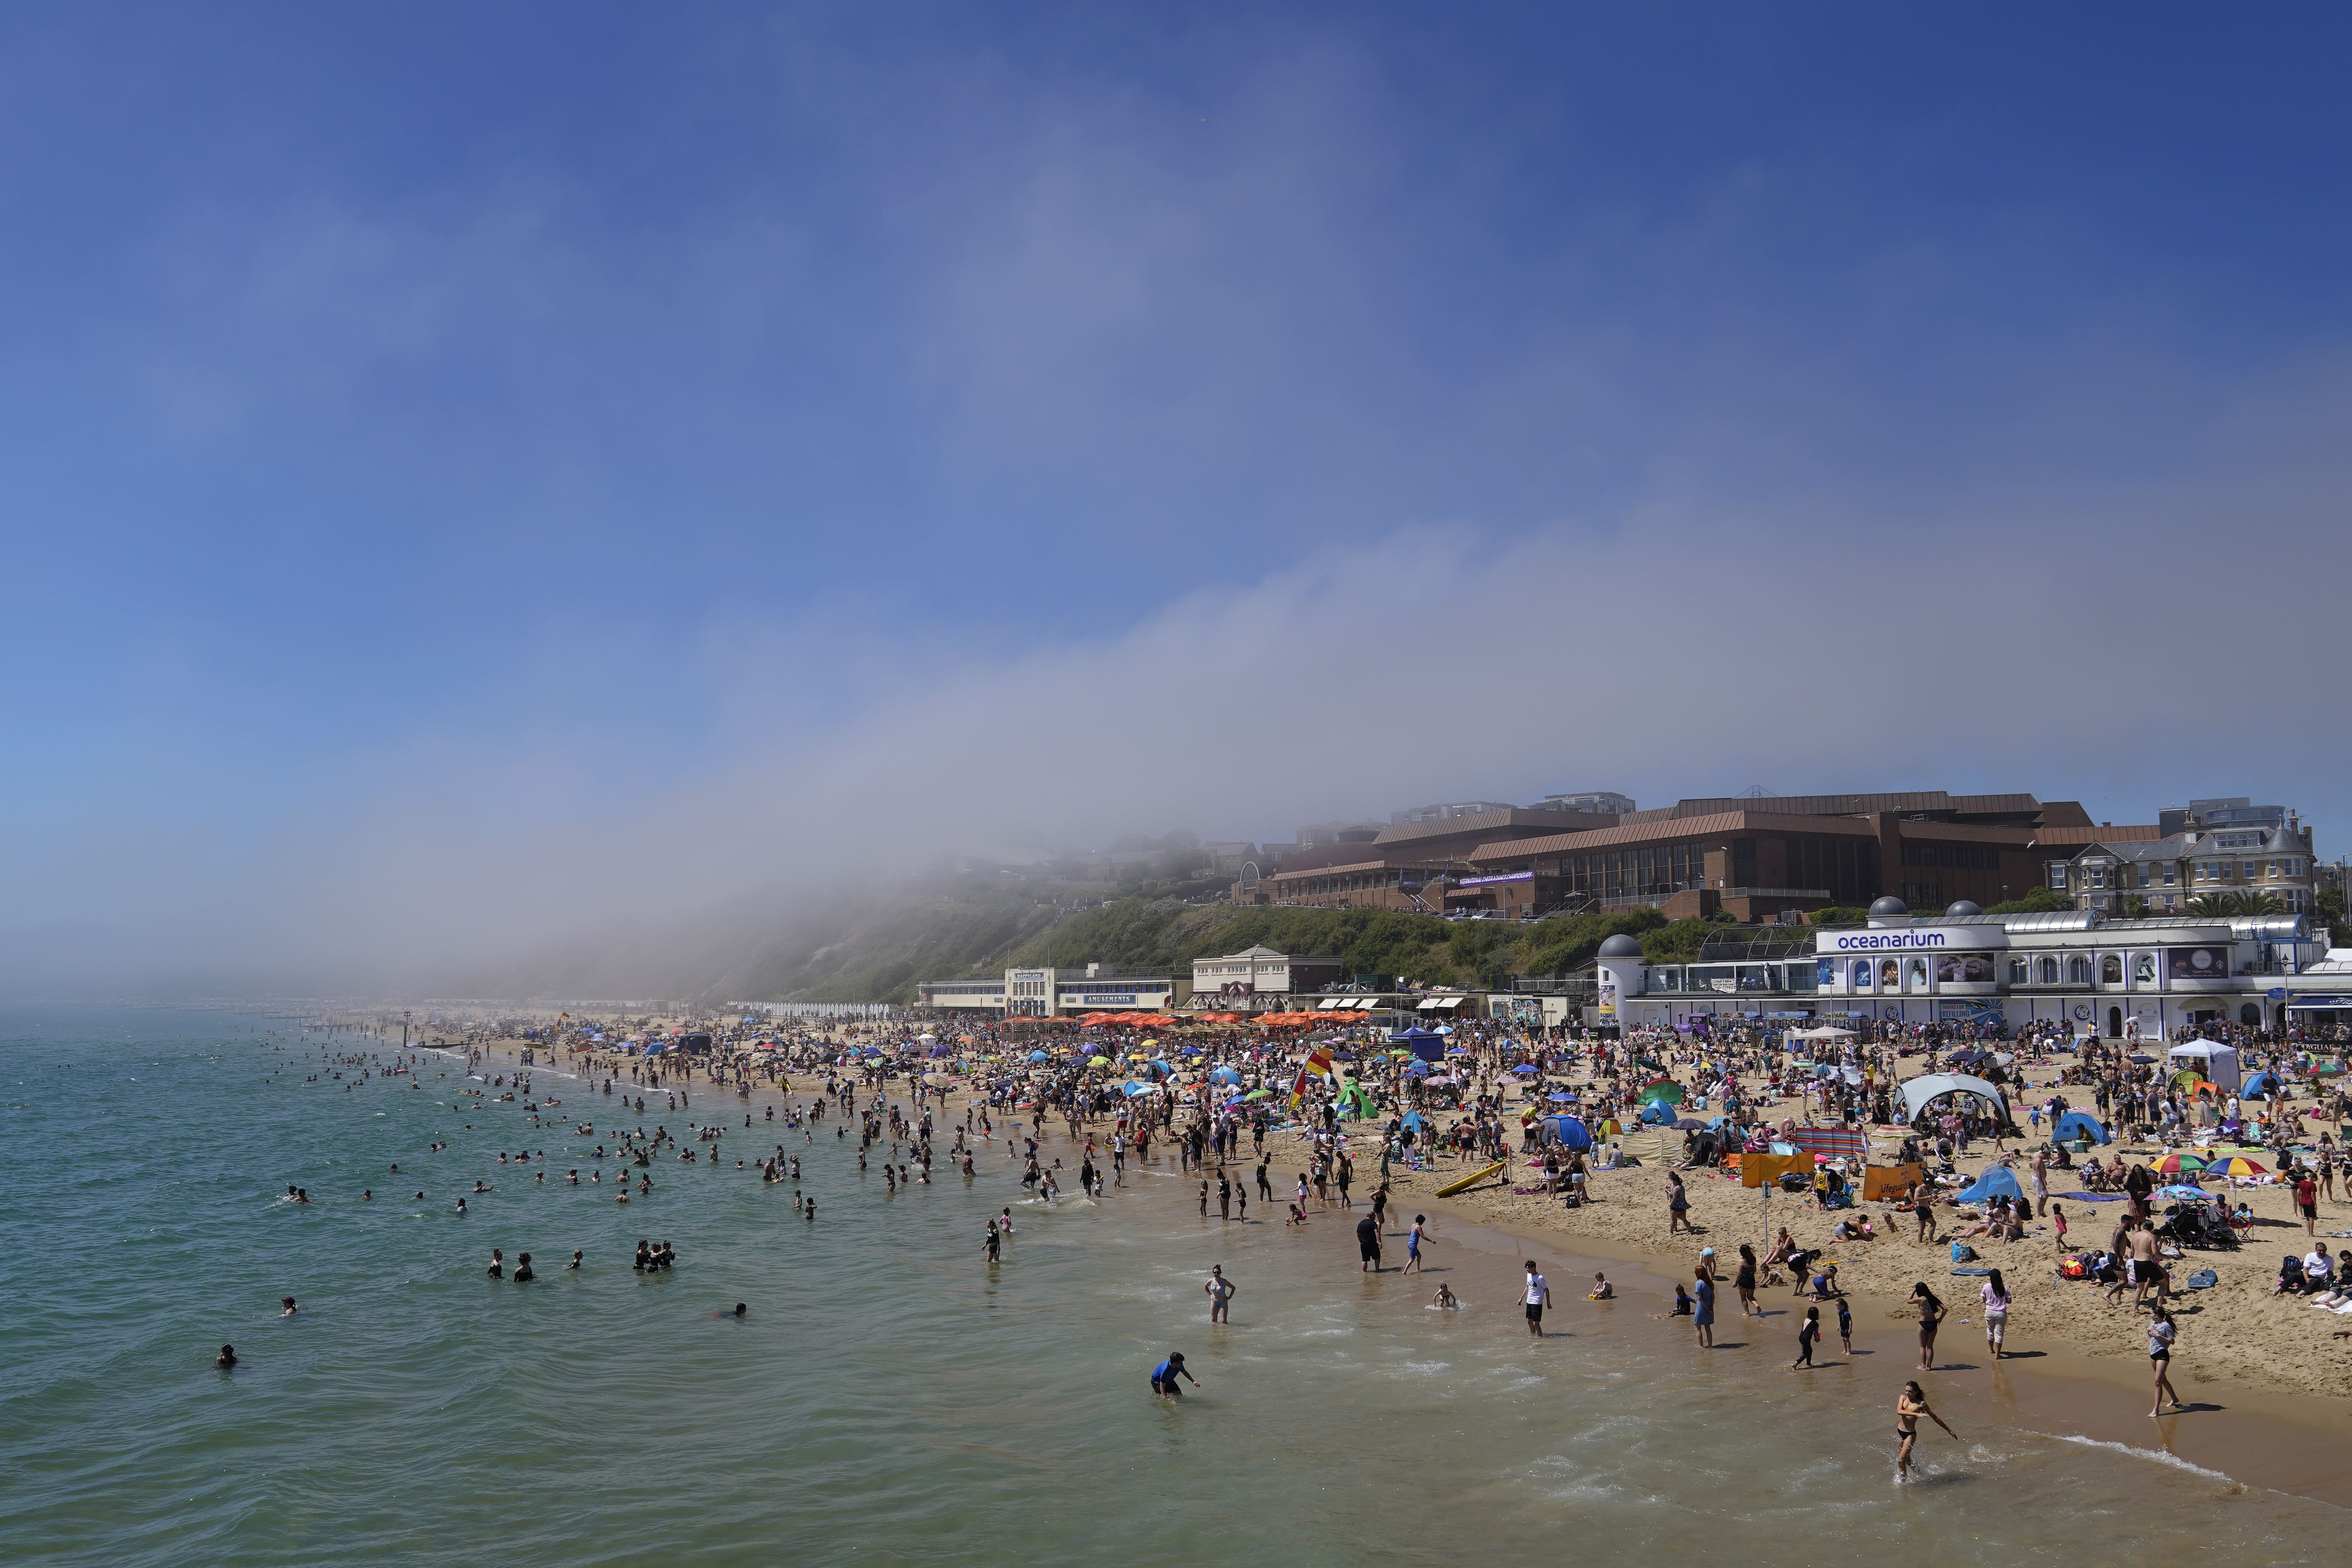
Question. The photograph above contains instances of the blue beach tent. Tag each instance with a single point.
(2080, 1124)
(1572, 1132)
(1998, 1181)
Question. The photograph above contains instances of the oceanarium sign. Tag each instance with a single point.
(1912, 939)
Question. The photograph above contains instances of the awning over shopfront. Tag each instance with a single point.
(1440, 1003)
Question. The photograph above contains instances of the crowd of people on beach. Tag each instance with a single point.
(1221, 1105)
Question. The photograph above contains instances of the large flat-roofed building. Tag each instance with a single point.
(2147, 978)
(1401, 866)
(1766, 858)
(1260, 970)
(1054, 992)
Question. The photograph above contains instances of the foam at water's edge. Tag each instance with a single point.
(2158, 1454)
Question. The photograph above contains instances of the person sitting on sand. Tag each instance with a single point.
(1601, 1289)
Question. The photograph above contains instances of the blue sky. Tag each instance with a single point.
(459, 431)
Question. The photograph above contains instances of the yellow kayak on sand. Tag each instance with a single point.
(1450, 1188)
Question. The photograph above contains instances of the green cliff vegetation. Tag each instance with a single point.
(879, 951)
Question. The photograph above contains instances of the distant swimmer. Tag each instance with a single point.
(576, 1256)
(1164, 1376)
(523, 1274)
(288, 1301)
(226, 1358)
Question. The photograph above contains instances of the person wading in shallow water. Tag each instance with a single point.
(1909, 1405)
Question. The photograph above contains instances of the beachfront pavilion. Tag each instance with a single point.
(2145, 979)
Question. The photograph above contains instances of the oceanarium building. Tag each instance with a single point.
(2142, 978)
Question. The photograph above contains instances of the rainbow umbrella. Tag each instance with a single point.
(2177, 1165)
(2235, 1166)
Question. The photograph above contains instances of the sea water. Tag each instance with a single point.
(888, 1397)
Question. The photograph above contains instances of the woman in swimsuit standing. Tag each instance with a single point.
(1931, 1313)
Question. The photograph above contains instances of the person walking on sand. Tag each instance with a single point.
(1537, 1296)
(1909, 1405)
(1995, 1310)
(1221, 1291)
(1677, 1204)
(2161, 1336)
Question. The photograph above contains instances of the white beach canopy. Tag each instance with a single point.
(2218, 1062)
(1918, 1091)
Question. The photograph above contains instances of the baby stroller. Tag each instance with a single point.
(2194, 1224)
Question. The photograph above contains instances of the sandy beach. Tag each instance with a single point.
(2261, 1375)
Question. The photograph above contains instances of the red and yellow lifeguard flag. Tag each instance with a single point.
(1319, 1065)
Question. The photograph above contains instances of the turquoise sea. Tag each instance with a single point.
(888, 1398)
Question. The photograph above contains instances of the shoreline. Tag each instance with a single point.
(2266, 1439)
(2254, 1438)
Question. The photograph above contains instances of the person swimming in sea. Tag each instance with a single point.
(523, 1275)
(228, 1357)
(291, 1308)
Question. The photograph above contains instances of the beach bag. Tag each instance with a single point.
(2076, 1267)
(1962, 1252)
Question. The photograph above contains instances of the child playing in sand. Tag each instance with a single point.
(1446, 1298)
(1601, 1289)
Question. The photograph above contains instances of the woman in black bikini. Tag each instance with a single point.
(1745, 1282)
(1931, 1313)
(1909, 1405)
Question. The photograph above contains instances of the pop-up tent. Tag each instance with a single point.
(1426, 1044)
(1568, 1131)
(2265, 1083)
(1998, 1181)
(2079, 1125)
(2218, 1062)
(1918, 1091)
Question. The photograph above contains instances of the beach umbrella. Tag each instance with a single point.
(1525, 1067)
(1257, 1094)
(2235, 1166)
(1562, 1098)
(2177, 1165)
(1097, 1061)
(2191, 1193)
